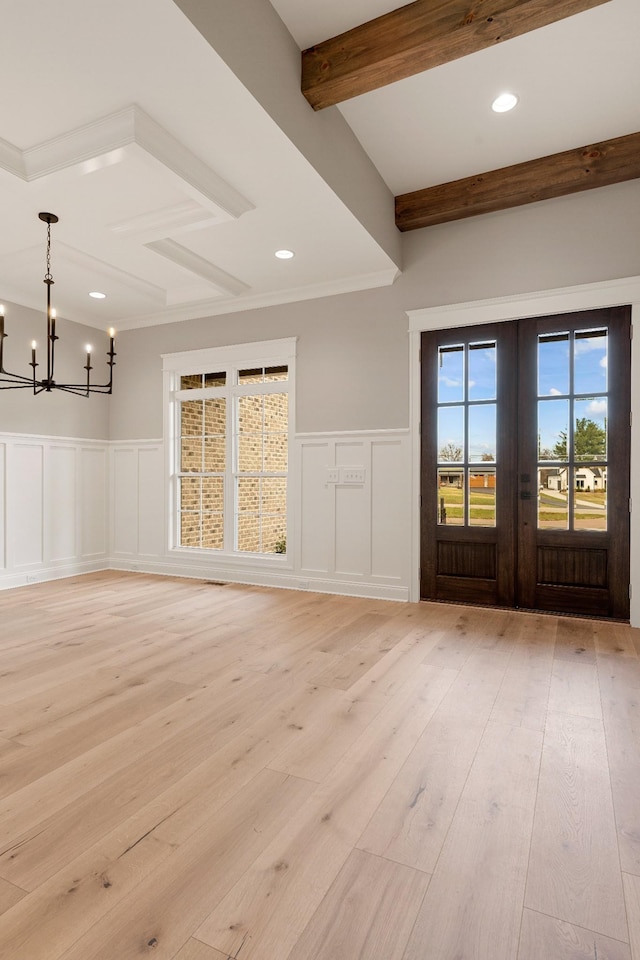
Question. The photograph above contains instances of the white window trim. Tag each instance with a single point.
(265, 353)
(605, 293)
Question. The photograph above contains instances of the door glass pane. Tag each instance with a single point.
(450, 492)
(451, 434)
(590, 361)
(553, 429)
(482, 432)
(482, 371)
(482, 498)
(590, 498)
(590, 429)
(450, 374)
(553, 497)
(553, 364)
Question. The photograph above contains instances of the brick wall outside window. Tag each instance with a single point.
(261, 440)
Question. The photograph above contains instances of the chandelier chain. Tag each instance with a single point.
(48, 383)
(47, 275)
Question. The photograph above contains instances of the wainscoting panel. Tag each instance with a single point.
(94, 465)
(60, 534)
(3, 507)
(151, 524)
(126, 499)
(52, 510)
(355, 501)
(315, 509)
(390, 508)
(349, 531)
(25, 494)
(137, 504)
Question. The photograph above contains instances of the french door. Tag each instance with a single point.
(525, 463)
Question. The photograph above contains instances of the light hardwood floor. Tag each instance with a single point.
(195, 771)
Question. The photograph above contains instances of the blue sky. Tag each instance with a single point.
(590, 376)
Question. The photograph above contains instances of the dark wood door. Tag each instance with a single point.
(469, 454)
(525, 463)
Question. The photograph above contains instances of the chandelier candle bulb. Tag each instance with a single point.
(17, 381)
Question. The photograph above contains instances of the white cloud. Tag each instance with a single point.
(555, 393)
(590, 343)
(603, 362)
(598, 407)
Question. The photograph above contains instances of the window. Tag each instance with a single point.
(229, 426)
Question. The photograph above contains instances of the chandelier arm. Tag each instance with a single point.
(7, 376)
(16, 381)
(81, 388)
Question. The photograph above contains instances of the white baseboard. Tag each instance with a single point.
(58, 572)
(286, 581)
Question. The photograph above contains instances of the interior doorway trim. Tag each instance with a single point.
(607, 293)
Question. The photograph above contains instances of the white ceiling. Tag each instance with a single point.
(578, 81)
(174, 186)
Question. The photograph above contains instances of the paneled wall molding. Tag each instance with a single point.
(53, 507)
(350, 535)
(74, 506)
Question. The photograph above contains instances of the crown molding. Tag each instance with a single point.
(215, 308)
(12, 159)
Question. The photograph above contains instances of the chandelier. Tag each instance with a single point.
(15, 381)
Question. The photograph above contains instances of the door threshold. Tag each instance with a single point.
(546, 613)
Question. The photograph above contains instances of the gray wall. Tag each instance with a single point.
(56, 413)
(353, 349)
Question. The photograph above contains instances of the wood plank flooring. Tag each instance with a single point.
(200, 771)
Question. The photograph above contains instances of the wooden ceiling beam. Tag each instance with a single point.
(597, 165)
(416, 37)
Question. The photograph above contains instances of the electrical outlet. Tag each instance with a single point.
(333, 475)
(31, 578)
(353, 474)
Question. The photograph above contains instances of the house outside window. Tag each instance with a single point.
(229, 425)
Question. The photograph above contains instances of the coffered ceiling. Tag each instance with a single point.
(175, 145)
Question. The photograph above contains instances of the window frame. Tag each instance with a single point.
(231, 359)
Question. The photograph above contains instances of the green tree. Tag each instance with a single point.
(590, 441)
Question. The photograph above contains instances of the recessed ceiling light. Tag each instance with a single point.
(506, 101)
(284, 254)
(97, 295)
